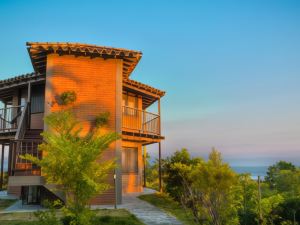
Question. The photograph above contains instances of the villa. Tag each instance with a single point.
(100, 77)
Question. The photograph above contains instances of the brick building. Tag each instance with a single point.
(100, 77)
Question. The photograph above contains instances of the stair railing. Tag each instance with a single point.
(22, 126)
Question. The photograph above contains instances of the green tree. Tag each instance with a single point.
(171, 175)
(274, 170)
(248, 188)
(73, 162)
(269, 207)
(210, 189)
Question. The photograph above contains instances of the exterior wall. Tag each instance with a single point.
(14, 190)
(97, 84)
(133, 182)
(36, 121)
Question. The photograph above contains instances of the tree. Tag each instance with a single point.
(73, 162)
(248, 213)
(273, 171)
(210, 190)
(171, 175)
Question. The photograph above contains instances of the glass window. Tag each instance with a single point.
(130, 160)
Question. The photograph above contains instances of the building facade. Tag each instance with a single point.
(100, 77)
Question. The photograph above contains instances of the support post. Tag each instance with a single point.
(2, 162)
(159, 128)
(29, 105)
(145, 166)
(159, 166)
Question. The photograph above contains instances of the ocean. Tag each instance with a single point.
(255, 171)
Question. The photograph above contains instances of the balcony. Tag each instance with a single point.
(9, 118)
(136, 121)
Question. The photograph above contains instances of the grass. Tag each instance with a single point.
(4, 203)
(170, 206)
(104, 216)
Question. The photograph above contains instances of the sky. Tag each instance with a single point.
(231, 69)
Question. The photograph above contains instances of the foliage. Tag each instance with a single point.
(288, 209)
(173, 175)
(152, 174)
(274, 170)
(249, 200)
(48, 217)
(102, 119)
(287, 182)
(269, 206)
(210, 190)
(67, 97)
(216, 195)
(102, 217)
(72, 162)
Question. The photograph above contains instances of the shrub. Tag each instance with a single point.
(102, 119)
(67, 97)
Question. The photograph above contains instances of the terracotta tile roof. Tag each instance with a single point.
(20, 79)
(145, 87)
(38, 53)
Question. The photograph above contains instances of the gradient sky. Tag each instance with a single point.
(231, 69)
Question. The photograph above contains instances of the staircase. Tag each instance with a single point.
(33, 134)
(29, 145)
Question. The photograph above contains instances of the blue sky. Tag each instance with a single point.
(230, 68)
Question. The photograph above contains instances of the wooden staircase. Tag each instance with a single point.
(33, 134)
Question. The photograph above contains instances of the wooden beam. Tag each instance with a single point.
(159, 167)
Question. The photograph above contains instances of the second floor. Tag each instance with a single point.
(139, 105)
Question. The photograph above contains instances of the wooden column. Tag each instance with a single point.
(159, 166)
(29, 105)
(159, 149)
(159, 129)
(2, 166)
(145, 166)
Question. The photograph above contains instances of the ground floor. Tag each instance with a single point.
(25, 180)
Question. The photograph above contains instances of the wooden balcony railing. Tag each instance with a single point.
(23, 167)
(140, 121)
(9, 118)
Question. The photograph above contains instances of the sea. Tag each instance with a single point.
(255, 171)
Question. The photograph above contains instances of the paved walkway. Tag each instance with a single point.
(146, 212)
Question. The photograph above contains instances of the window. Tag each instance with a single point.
(37, 99)
(130, 160)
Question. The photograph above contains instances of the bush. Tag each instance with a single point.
(67, 97)
(48, 217)
(102, 119)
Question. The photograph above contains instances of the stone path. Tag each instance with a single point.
(146, 212)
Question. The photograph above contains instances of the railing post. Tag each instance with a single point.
(159, 125)
(29, 104)
(2, 166)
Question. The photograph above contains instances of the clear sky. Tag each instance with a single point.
(231, 69)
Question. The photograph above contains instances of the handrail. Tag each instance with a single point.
(140, 121)
(22, 124)
(9, 118)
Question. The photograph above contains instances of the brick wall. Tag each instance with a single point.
(95, 83)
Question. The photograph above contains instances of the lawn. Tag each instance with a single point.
(4, 203)
(104, 216)
(170, 206)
